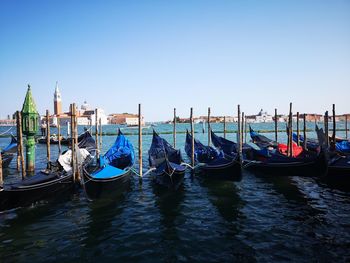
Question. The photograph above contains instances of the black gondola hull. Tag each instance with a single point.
(14, 197)
(230, 171)
(97, 188)
(172, 181)
(6, 160)
(311, 168)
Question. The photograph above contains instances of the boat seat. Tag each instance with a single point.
(107, 171)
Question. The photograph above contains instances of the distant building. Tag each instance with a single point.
(57, 101)
(125, 118)
(262, 116)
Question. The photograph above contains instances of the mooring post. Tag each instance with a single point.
(276, 128)
(192, 135)
(326, 128)
(1, 177)
(96, 136)
(174, 128)
(239, 129)
(77, 175)
(140, 140)
(242, 129)
(298, 132)
(59, 136)
(304, 120)
(245, 129)
(334, 128)
(290, 131)
(346, 126)
(73, 160)
(208, 126)
(20, 144)
(225, 127)
(100, 123)
(18, 122)
(48, 151)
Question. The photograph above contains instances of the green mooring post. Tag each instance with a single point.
(30, 123)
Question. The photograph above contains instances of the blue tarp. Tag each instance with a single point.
(343, 146)
(108, 171)
(121, 154)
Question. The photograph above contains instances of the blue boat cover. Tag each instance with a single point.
(202, 153)
(107, 171)
(121, 154)
(343, 146)
(160, 150)
(12, 147)
(261, 140)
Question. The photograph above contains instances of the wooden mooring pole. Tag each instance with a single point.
(96, 136)
(225, 127)
(209, 126)
(239, 129)
(346, 126)
(100, 123)
(1, 176)
(326, 128)
(59, 136)
(20, 143)
(298, 131)
(18, 123)
(242, 129)
(174, 129)
(305, 143)
(140, 141)
(48, 150)
(72, 106)
(334, 128)
(276, 128)
(192, 135)
(77, 173)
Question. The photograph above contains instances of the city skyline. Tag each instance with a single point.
(186, 54)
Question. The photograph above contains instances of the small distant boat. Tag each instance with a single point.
(54, 140)
(44, 184)
(167, 161)
(112, 171)
(212, 163)
(9, 152)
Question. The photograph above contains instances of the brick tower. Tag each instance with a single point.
(57, 101)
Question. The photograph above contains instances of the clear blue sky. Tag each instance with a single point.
(165, 54)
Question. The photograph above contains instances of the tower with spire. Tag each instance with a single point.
(57, 101)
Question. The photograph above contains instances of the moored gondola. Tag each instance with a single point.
(112, 171)
(212, 163)
(44, 184)
(167, 163)
(274, 161)
(9, 152)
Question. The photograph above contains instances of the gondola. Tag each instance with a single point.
(9, 152)
(112, 171)
(44, 184)
(338, 163)
(276, 162)
(261, 140)
(54, 140)
(167, 163)
(212, 163)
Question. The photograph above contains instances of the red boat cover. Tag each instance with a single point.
(297, 150)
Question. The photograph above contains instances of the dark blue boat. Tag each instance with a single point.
(167, 162)
(9, 152)
(261, 140)
(112, 171)
(212, 163)
(51, 183)
(267, 159)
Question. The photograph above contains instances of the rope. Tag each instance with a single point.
(6, 131)
(147, 172)
(193, 167)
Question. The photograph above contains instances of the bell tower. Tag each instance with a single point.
(57, 101)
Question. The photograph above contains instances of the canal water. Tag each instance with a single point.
(259, 219)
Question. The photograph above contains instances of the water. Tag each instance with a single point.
(259, 219)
